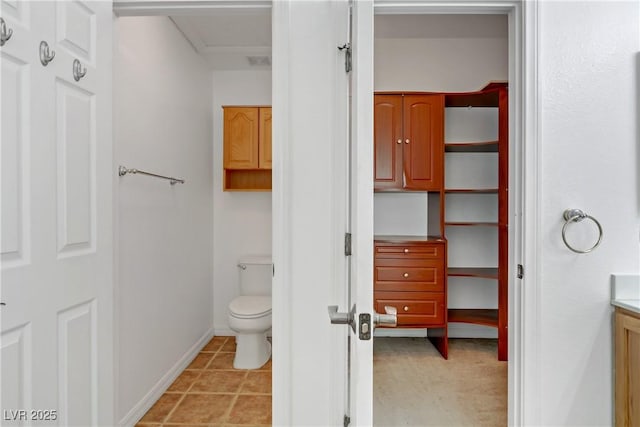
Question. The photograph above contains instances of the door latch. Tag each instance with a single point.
(342, 318)
(365, 326)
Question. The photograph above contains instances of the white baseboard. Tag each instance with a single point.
(141, 408)
(223, 332)
(399, 332)
(463, 330)
(456, 330)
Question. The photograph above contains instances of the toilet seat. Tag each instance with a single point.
(250, 307)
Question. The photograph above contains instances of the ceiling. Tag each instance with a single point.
(238, 40)
(230, 40)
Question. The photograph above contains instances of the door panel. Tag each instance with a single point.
(57, 270)
(387, 151)
(241, 138)
(424, 143)
(15, 160)
(75, 169)
(76, 30)
(16, 367)
(265, 157)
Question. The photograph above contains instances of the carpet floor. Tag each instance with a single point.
(414, 386)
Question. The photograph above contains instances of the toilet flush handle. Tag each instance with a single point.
(242, 266)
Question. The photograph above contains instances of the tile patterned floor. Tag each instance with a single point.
(211, 393)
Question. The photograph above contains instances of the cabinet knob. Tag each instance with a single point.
(406, 308)
(406, 141)
(406, 251)
(406, 274)
(399, 141)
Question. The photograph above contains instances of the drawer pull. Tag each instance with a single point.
(406, 308)
(406, 250)
(406, 275)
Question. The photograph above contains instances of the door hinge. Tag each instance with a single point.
(347, 56)
(346, 421)
(520, 271)
(347, 244)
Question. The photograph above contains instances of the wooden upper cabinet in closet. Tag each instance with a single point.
(408, 142)
(247, 137)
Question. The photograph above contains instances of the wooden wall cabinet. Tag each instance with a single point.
(408, 142)
(247, 148)
(627, 372)
(409, 274)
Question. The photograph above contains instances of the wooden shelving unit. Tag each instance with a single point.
(492, 96)
(484, 272)
(478, 316)
(411, 155)
(471, 147)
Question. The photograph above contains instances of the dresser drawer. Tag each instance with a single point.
(423, 250)
(391, 278)
(416, 312)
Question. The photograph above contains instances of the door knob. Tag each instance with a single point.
(390, 318)
(338, 318)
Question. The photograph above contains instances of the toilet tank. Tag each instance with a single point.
(255, 275)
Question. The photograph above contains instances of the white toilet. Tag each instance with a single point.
(250, 313)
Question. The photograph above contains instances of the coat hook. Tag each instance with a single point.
(46, 56)
(4, 34)
(78, 71)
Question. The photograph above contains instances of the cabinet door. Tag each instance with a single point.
(387, 137)
(241, 137)
(423, 144)
(627, 394)
(264, 158)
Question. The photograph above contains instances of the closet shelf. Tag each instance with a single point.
(472, 190)
(471, 147)
(477, 316)
(487, 273)
(471, 224)
(489, 96)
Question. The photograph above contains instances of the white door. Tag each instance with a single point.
(57, 279)
(361, 358)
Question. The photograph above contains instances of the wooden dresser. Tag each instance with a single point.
(409, 274)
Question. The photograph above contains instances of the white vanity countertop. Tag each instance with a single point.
(625, 291)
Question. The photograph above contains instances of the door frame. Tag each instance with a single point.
(525, 165)
(524, 386)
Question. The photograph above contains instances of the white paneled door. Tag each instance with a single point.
(57, 281)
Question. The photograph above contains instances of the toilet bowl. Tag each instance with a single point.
(249, 314)
(250, 319)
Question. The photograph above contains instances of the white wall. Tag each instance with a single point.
(441, 53)
(242, 220)
(457, 54)
(589, 136)
(162, 111)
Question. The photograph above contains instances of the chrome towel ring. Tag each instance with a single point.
(577, 215)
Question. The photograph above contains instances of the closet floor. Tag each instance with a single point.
(211, 393)
(414, 386)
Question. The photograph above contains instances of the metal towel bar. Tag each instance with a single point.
(122, 171)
